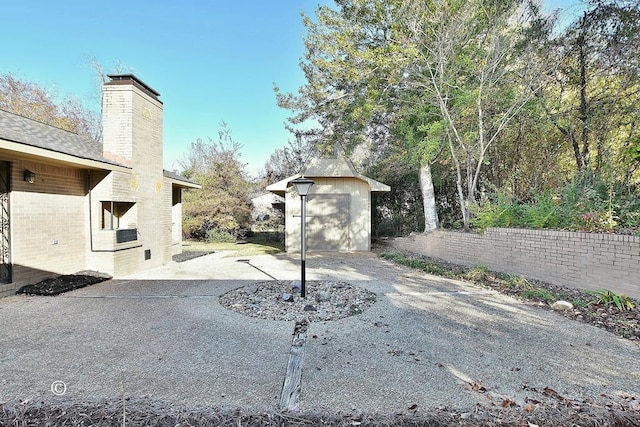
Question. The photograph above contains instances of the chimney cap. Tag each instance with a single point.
(130, 78)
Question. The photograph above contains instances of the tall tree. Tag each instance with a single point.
(288, 160)
(354, 89)
(36, 102)
(472, 60)
(222, 206)
(592, 98)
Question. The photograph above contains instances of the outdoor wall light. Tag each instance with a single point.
(302, 186)
(29, 176)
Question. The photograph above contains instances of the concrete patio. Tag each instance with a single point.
(427, 341)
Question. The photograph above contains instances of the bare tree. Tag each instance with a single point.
(36, 102)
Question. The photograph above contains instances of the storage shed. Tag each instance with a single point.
(338, 207)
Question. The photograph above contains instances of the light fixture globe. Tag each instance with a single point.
(302, 186)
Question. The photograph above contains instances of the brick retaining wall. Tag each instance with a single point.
(581, 260)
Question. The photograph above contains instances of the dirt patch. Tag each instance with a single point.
(60, 284)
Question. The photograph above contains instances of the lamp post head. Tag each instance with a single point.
(302, 186)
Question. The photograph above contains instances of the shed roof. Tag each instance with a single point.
(337, 167)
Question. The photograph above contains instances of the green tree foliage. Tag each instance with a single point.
(355, 91)
(473, 60)
(222, 208)
(580, 141)
(592, 97)
(36, 102)
(485, 96)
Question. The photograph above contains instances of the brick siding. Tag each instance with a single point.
(47, 223)
(580, 260)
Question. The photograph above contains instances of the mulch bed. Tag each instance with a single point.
(134, 412)
(187, 255)
(57, 285)
(68, 282)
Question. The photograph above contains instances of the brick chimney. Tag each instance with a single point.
(132, 123)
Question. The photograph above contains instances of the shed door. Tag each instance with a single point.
(328, 222)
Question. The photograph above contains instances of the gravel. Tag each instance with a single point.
(281, 300)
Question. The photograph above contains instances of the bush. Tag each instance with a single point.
(215, 235)
(585, 204)
(504, 211)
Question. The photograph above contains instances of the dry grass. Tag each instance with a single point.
(241, 249)
(140, 412)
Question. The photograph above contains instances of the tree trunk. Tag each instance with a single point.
(429, 199)
(584, 112)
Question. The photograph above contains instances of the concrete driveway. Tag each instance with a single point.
(427, 341)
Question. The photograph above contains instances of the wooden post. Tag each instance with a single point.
(289, 400)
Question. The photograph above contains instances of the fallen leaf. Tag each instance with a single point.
(507, 402)
(477, 387)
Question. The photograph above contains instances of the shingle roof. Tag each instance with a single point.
(175, 176)
(22, 130)
(26, 131)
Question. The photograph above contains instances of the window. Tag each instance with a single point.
(118, 215)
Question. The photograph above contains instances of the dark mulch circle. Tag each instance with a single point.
(57, 285)
(187, 255)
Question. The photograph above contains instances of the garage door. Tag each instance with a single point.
(328, 222)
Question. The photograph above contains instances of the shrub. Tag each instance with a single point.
(215, 235)
(585, 204)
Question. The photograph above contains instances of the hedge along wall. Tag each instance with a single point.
(579, 260)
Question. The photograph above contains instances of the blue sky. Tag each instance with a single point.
(211, 61)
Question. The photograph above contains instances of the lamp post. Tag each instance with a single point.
(303, 186)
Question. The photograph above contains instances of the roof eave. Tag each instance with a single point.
(51, 155)
(280, 187)
(183, 184)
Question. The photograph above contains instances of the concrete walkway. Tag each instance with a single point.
(427, 341)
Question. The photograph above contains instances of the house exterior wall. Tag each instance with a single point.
(338, 216)
(105, 254)
(263, 205)
(581, 260)
(61, 223)
(47, 222)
